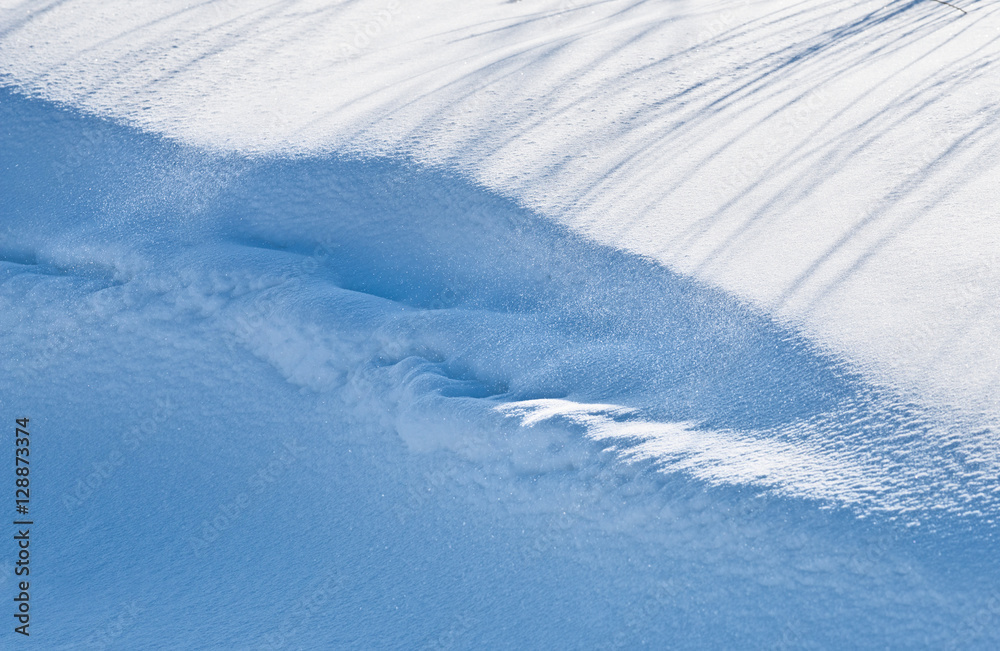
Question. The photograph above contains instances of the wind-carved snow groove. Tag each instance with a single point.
(425, 302)
(99, 274)
(427, 293)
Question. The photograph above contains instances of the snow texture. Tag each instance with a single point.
(520, 325)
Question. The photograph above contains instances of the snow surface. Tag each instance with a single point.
(516, 324)
(834, 163)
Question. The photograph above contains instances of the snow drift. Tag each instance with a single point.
(606, 324)
(327, 368)
(832, 163)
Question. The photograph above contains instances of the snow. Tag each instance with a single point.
(810, 158)
(510, 324)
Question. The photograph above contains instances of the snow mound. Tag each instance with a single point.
(831, 163)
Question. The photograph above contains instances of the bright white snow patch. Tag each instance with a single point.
(799, 460)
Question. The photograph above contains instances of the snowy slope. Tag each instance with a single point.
(323, 402)
(833, 163)
(407, 342)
